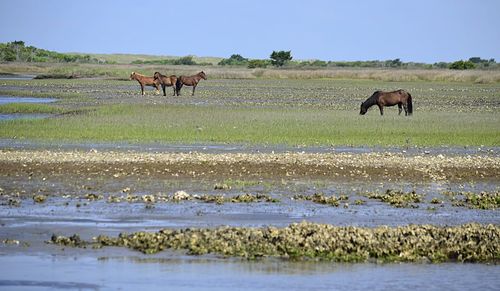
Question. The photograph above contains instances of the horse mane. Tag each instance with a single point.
(372, 99)
(137, 74)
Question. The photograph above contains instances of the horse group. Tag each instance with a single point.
(167, 81)
(400, 97)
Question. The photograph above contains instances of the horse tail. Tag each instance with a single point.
(410, 105)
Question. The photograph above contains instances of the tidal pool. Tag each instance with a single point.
(9, 99)
(10, 116)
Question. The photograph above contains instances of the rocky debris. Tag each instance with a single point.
(39, 198)
(181, 195)
(222, 187)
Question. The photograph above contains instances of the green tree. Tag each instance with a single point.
(234, 60)
(279, 58)
(393, 63)
(462, 65)
(252, 64)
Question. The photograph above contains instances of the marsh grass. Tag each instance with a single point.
(30, 93)
(30, 108)
(122, 71)
(255, 125)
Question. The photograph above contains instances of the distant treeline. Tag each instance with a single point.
(472, 63)
(17, 51)
(187, 60)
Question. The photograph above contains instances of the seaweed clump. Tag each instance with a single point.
(483, 200)
(311, 241)
(72, 241)
(321, 198)
(398, 198)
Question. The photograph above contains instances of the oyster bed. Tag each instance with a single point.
(414, 243)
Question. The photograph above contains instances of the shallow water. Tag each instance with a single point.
(63, 271)
(16, 77)
(12, 116)
(9, 99)
(241, 148)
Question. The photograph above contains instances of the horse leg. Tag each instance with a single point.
(405, 106)
(194, 87)
(400, 107)
(179, 89)
(163, 87)
(173, 87)
(381, 109)
(142, 90)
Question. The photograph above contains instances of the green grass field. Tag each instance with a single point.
(192, 124)
(268, 111)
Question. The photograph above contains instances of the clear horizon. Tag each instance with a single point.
(424, 31)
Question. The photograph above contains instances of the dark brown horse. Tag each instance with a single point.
(145, 81)
(189, 81)
(381, 99)
(165, 81)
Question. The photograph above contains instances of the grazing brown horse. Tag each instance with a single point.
(145, 81)
(165, 81)
(189, 81)
(381, 99)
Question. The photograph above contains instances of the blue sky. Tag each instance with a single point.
(422, 31)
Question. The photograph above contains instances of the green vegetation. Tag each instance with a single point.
(397, 198)
(17, 52)
(187, 61)
(260, 69)
(280, 58)
(321, 198)
(293, 112)
(253, 64)
(462, 65)
(311, 241)
(483, 200)
(234, 60)
(190, 124)
(30, 108)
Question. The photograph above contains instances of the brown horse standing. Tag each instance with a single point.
(165, 81)
(381, 99)
(189, 81)
(145, 81)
